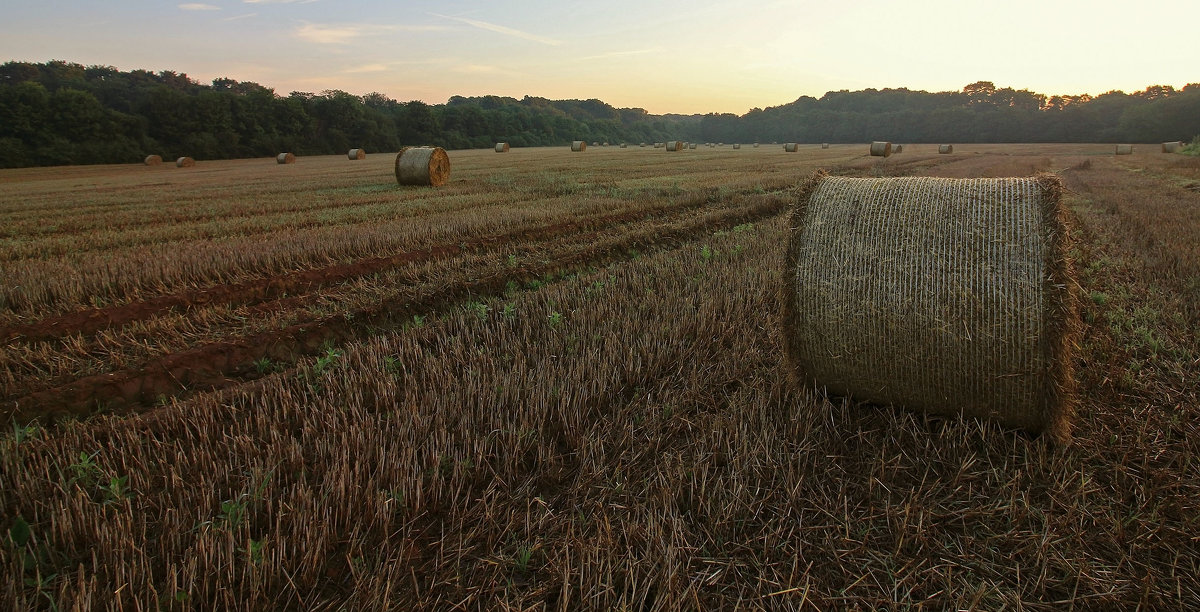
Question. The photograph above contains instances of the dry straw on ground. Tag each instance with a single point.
(881, 149)
(422, 166)
(946, 296)
(791, 147)
(357, 154)
(946, 148)
(285, 158)
(578, 145)
(502, 147)
(1124, 149)
(185, 162)
(1172, 147)
(154, 160)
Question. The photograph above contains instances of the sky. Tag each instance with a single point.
(668, 56)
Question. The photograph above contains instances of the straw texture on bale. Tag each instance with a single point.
(1124, 149)
(674, 145)
(502, 147)
(944, 149)
(947, 296)
(881, 149)
(185, 162)
(791, 147)
(578, 145)
(422, 166)
(1172, 147)
(357, 154)
(285, 158)
(152, 160)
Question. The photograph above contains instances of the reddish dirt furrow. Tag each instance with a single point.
(220, 365)
(251, 292)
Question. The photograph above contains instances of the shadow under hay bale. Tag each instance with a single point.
(152, 160)
(945, 149)
(947, 296)
(356, 154)
(285, 158)
(578, 146)
(881, 149)
(185, 162)
(428, 166)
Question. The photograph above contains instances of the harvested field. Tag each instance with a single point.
(557, 382)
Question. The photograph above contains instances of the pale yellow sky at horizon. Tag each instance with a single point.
(666, 57)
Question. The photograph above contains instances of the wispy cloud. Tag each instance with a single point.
(345, 33)
(366, 68)
(198, 6)
(483, 69)
(622, 53)
(278, 1)
(491, 27)
(237, 17)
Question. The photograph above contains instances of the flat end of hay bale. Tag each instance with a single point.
(428, 166)
(1010, 362)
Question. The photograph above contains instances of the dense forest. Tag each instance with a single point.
(66, 113)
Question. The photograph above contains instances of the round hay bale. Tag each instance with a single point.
(185, 162)
(595, 144)
(1124, 149)
(945, 149)
(152, 160)
(791, 147)
(285, 158)
(947, 296)
(1172, 147)
(624, 145)
(897, 148)
(737, 146)
(502, 147)
(756, 145)
(357, 154)
(642, 144)
(659, 145)
(881, 149)
(824, 145)
(578, 146)
(674, 145)
(422, 166)
(691, 145)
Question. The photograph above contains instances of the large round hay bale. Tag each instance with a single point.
(674, 145)
(285, 158)
(947, 296)
(502, 147)
(185, 162)
(945, 149)
(578, 146)
(422, 166)
(881, 149)
(1172, 147)
(791, 147)
(152, 160)
(357, 154)
(824, 145)
(1124, 149)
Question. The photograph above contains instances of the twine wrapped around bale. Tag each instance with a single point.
(1172, 147)
(152, 160)
(948, 296)
(285, 158)
(356, 154)
(422, 166)
(502, 147)
(1124, 149)
(791, 147)
(578, 146)
(881, 149)
(944, 149)
(185, 162)
(824, 145)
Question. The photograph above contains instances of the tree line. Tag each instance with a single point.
(65, 113)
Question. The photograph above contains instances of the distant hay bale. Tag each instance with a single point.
(1124, 149)
(944, 149)
(1172, 147)
(595, 144)
(502, 147)
(578, 146)
(185, 162)
(674, 145)
(285, 158)
(756, 145)
(890, 297)
(642, 144)
(824, 145)
(881, 149)
(422, 166)
(691, 145)
(737, 146)
(357, 154)
(791, 147)
(152, 160)
(623, 145)
(897, 149)
(604, 144)
(659, 145)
